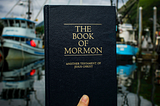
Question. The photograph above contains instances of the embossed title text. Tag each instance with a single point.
(84, 35)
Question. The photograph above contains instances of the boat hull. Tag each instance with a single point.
(126, 51)
(18, 54)
(11, 49)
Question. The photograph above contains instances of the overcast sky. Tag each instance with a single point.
(19, 10)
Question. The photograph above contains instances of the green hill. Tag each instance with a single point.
(147, 5)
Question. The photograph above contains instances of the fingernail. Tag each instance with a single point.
(84, 99)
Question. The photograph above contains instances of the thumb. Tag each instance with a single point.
(84, 101)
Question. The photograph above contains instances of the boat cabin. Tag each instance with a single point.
(127, 33)
(19, 29)
(18, 22)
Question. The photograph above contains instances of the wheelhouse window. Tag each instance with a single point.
(33, 25)
(17, 39)
(17, 23)
(23, 24)
(11, 22)
(8, 37)
(30, 25)
(23, 39)
(5, 23)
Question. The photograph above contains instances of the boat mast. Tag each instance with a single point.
(111, 2)
(29, 10)
(117, 5)
(117, 18)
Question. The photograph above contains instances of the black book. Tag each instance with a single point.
(80, 55)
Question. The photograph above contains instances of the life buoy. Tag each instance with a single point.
(33, 43)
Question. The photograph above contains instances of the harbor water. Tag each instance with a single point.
(22, 83)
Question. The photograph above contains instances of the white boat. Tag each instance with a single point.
(126, 47)
(19, 40)
(16, 34)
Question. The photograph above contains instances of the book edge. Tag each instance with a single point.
(46, 25)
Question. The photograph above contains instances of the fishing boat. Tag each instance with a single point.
(126, 46)
(18, 40)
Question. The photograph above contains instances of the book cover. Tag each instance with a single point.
(80, 55)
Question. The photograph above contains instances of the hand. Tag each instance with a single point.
(84, 101)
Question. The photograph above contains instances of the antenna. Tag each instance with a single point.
(111, 2)
(29, 11)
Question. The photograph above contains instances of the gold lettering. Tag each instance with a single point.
(77, 28)
(73, 63)
(77, 67)
(80, 36)
(82, 43)
(86, 51)
(83, 36)
(100, 50)
(89, 29)
(90, 36)
(79, 50)
(85, 42)
(88, 66)
(74, 35)
(79, 43)
(93, 50)
(67, 51)
(83, 50)
(86, 35)
(83, 28)
(74, 50)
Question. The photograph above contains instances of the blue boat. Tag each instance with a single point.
(126, 50)
(126, 47)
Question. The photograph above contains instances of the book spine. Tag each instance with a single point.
(46, 30)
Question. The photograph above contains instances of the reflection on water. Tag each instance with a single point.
(22, 83)
(138, 84)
